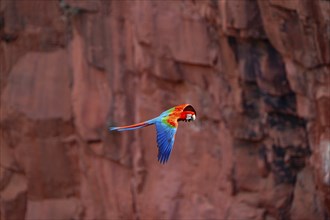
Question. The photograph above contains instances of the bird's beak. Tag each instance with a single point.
(194, 117)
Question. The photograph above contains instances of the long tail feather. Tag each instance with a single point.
(132, 127)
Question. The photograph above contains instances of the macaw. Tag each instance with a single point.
(166, 126)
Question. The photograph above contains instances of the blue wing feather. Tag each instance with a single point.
(165, 141)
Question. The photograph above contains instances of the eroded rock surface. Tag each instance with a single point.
(257, 72)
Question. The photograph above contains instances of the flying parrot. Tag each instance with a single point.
(166, 125)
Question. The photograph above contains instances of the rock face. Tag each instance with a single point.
(257, 72)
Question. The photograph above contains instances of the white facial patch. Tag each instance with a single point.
(190, 117)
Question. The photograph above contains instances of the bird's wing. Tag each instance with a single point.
(165, 138)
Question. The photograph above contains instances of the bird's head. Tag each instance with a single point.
(188, 114)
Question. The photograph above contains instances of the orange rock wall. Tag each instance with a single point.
(257, 72)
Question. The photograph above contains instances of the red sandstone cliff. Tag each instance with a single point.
(257, 73)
